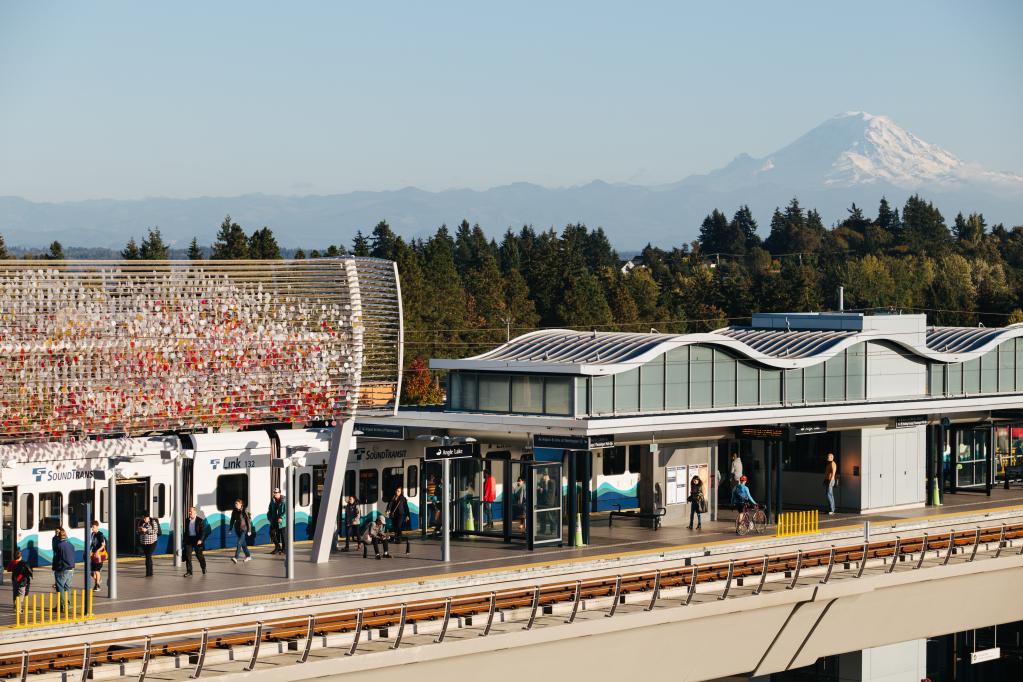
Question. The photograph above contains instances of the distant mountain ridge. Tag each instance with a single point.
(853, 157)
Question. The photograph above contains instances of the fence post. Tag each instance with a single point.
(976, 544)
(490, 614)
(951, 547)
(863, 559)
(575, 601)
(895, 554)
(204, 642)
(443, 628)
(532, 610)
(728, 579)
(145, 658)
(401, 625)
(617, 596)
(256, 641)
(923, 553)
(795, 573)
(692, 586)
(657, 590)
(763, 577)
(310, 633)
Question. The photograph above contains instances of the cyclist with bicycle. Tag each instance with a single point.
(741, 495)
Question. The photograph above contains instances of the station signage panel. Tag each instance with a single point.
(780, 433)
(381, 431)
(910, 420)
(573, 442)
(457, 451)
(808, 428)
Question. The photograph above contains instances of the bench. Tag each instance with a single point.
(654, 516)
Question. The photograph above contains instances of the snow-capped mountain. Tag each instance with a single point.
(854, 149)
(853, 157)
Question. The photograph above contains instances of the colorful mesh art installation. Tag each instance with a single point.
(99, 348)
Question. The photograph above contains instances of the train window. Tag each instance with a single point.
(305, 486)
(613, 461)
(393, 477)
(160, 500)
(50, 507)
(412, 482)
(103, 512)
(27, 511)
(231, 487)
(76, 501)
(349, 488)
(369, 486)
(634, 455)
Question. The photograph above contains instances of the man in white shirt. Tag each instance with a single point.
(193, 538)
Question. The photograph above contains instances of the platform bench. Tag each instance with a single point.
(633, 514)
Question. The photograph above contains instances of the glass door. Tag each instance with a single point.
(970, 455)
(543, 516)
(9, 525)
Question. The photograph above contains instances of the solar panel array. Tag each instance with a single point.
(102, 348)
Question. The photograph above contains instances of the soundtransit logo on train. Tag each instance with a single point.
(42, 473)
(364, 454)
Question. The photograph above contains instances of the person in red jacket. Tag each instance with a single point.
(21, 576)
(489, 498)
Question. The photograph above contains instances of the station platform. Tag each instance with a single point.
(226, 582)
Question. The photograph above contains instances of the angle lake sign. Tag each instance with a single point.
(457, 451)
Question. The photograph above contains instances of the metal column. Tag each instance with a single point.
(289, 506)
(573, 497)
(445, 511)
(586, 465)
(179, 519)
(112, 537)
(337, 463)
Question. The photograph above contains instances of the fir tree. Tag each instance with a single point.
(194, 250)
(314, 253)
(299, 254)
(56, 251)
(131, 251)
(231, 242)
(263, 245)
(360, 245)
(153, 246)
(333, 251)
(3, 249)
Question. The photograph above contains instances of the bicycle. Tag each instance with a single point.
(751, 519)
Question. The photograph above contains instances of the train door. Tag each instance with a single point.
(412, 493)
(318, 476)
(10, 525)
(305, 514)
(430, 474)
(132, 503)
(391, 478)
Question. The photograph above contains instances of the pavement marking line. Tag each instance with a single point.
(506, 568)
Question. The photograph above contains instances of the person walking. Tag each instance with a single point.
(241, 524)
(148, 532)
(519, 502)
(21, 576)
(351, 522)
(275, 516)
(830, 472)
(397, 511)
(97, 553)
(697, 502)
(63, 567)
(193, 539)
(735, 470)
(489, 499)
(376, 535)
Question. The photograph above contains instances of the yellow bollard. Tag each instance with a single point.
(35, 609)
(17, 612)
(49, 611)
(74, 612)
(90, 603)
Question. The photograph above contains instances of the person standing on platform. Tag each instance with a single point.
(275, 516)
(830, 472)
(697, 503)
(397, 511)
(735, 471)
(21, 576)
(193, 539)
(489, 499)
(98, 553)
(63, 566)
(149, 532)
(351, 523)
(241, 524)
(519, 502)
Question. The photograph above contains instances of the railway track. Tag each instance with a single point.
(293, 632)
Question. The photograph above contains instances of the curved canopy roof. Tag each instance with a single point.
(564, 351)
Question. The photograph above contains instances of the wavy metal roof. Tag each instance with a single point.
(565, 351)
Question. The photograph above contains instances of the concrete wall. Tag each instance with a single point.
(653, 475)
(893, 372)
(902, 662)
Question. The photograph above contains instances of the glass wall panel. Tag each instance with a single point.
(602, 395)
(493, 392)
(627, 391)
(558, 395)
(813, 383)
(468, 381)
(793, 386)
(770, 386)
(582, 392)
(936, 378)
(724, 379)
(527, 394)
(676, 378)
(834, 378)
(989, 372)
(455, 390)
(971, 376)
(1019, 364)
(954, 374)
(747, 391)
(856, 372)
(1007, 366)
(701, 362)
(651, 385)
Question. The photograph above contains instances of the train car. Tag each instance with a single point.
(311, 447)
(47, 486)
(377, 468)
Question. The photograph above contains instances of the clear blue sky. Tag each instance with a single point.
(130, 100)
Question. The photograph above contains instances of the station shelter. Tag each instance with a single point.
(908, 412)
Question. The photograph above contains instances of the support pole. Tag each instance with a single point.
(445, 511)
(289, 506)
(178, 501)
(87, 548)
(112, 538)
(337, 462)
